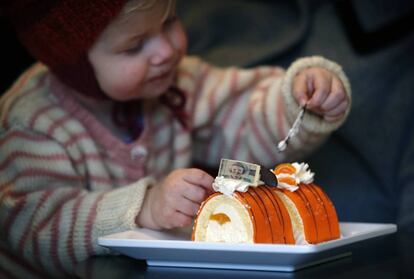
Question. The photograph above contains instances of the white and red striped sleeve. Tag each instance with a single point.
(243, 113)
(47, 213)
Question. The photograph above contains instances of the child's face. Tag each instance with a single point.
(136, 55)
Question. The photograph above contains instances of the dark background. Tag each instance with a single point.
(14, 57)
(367, 166)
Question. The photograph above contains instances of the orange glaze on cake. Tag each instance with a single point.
(279, 215)
(270, 218)
(317, 212)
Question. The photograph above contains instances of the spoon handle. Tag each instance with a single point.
(293, 130)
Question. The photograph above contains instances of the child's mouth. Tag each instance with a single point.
(160, 77)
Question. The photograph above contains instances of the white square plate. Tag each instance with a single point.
(175, 249)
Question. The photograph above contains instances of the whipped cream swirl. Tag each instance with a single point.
(227, 186)
(302, 174)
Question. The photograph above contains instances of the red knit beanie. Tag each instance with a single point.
(59, 33)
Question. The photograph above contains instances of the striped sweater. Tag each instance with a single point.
(65, 179)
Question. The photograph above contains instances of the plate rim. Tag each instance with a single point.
(372, 230)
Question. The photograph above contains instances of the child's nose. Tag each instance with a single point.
(163, 50)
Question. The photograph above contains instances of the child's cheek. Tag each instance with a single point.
(179, 39)
(124, 84)
(126, 92)
(183, 47)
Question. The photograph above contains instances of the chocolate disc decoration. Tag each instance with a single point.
(268, 177)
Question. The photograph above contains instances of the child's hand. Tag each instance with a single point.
(322, 92)
(175, 201)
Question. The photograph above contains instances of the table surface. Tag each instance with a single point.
(389, 256)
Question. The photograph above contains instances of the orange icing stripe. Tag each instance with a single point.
(273, 216)
(330, 211)
(267, 227)
(263, 231)
(319, 213)
(283, 215)
(305, 211)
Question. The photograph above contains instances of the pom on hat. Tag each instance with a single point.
(59, 33)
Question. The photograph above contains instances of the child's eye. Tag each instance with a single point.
(136, 48)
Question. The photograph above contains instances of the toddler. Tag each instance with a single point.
(99, 136)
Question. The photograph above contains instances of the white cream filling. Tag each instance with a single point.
(238, 230)
(297, 224)
(234, 231)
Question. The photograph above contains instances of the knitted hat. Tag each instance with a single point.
(59, 33)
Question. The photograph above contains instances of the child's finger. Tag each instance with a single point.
(195, 193)
(186, 206)
(322, 88)
(180, 220)
(338, 110)
(332, 118)
(336, 96)
(200, 178)
(300, 89)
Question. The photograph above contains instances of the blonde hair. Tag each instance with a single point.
(144, 5)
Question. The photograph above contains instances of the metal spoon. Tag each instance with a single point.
(293, 130)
